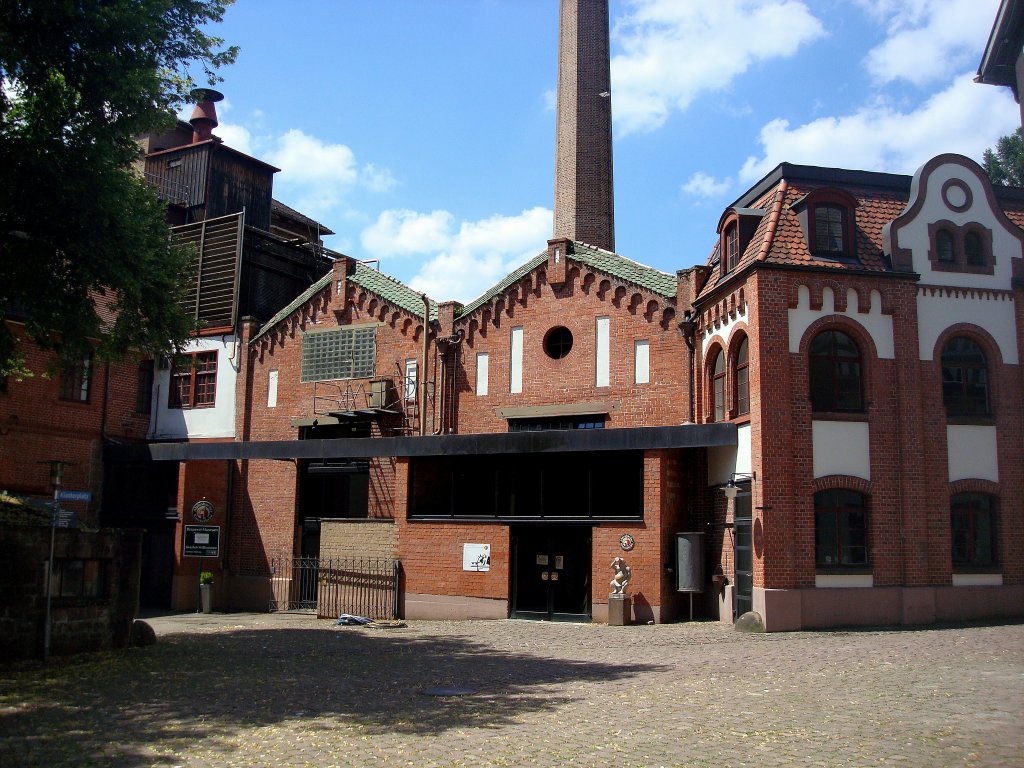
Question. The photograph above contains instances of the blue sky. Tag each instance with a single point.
(422, 131)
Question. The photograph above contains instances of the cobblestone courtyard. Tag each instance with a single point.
(262, 690)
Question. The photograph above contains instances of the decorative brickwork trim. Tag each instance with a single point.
(845, 482)
(974, 485)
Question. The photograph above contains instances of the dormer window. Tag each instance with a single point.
(732, 247)
(736, 229)
(827, 219)
(828, 230)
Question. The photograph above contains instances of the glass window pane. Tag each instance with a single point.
(944, 245)
(973, 248)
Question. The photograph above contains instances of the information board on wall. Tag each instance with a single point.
(202, 541)
(476, 557)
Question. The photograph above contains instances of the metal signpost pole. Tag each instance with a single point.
(49, 572)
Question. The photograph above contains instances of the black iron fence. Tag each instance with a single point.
(362, 586)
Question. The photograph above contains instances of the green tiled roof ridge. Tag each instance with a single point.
(385, 286)
(506, 282)
(632, 271)
(297, 302)
(391, 290)
(610, 263)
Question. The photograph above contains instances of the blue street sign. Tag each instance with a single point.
(84, 496)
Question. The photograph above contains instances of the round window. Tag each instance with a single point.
(558, 342)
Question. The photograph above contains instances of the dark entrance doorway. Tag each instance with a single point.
(551, 573)
(144, 495)
(743, 552)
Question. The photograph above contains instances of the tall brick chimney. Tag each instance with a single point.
(584, 200)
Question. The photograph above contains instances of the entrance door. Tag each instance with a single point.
(551, 573)
(743, 591)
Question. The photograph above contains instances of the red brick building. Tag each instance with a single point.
(829, 409)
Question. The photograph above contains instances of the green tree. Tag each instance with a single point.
(1005, 166)
(84, 246)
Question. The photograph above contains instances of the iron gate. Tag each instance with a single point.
(362, 586)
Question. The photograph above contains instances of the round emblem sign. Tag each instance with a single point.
(626, 542)
(202, 511)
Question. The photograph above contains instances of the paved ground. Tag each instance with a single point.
(261, 690)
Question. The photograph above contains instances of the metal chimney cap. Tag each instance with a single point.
(206, 94)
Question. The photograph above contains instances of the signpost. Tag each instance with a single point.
(61, 518)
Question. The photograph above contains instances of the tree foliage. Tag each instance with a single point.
(1005, 166)
(78, 226)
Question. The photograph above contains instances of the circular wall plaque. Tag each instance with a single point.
(202, 511)
(627, 542)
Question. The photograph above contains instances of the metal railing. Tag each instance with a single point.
(362, 586)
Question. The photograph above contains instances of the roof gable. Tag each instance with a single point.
(389, 289)
(598, 259)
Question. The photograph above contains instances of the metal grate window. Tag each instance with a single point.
(344, 353)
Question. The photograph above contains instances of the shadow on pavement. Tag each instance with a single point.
(204, 689)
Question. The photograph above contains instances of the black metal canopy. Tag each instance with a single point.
(551, 441)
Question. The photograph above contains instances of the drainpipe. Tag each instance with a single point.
(687, 326)
(423, 372)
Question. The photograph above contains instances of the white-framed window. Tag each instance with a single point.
(516, 366)
(411, 379)
(482, 363)
(272, 389)
(603, 332)
(642, 361)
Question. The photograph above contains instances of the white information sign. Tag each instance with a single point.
(476, 557)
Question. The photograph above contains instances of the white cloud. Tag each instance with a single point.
(316, 176)
(702, 185)
(928, 41)
(459, 263)
(377, 179)
(236, 137)
(306, 159)
(405, 233)
(964, 118)
(673, 51)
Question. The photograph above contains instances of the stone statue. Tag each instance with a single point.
(623, 573)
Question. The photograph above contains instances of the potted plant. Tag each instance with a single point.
(206, 591)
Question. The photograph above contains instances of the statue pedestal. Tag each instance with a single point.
(618, 610)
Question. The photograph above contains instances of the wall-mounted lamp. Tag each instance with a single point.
(56, 471)
(732, 488)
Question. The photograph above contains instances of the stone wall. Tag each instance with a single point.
(358, 538)
(79, 623)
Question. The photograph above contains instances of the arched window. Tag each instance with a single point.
(742, 379)
(945, 249)
(974, 248)
(732, 247)
(718, 386)
(829, 229)
(835, 368)
(972, 527)
(840, 528)
(964, 378)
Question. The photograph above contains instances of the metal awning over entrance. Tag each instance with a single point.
(553, 441)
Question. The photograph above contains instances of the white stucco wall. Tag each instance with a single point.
(841, 448)
(877, 325)
(725, 327)
(913, 234)
(972, 452)
(724, 461)
(938, 310)
(218, 421)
